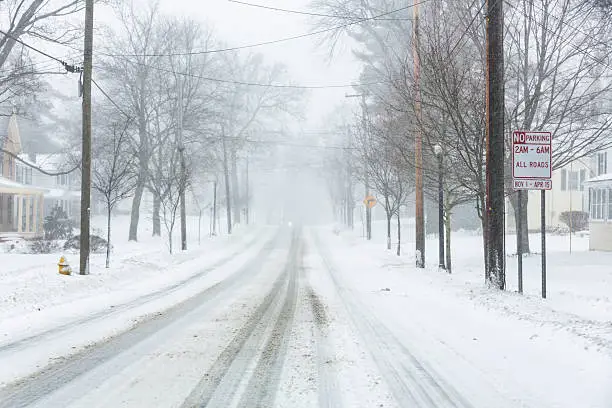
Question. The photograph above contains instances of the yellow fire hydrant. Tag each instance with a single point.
(63, 266)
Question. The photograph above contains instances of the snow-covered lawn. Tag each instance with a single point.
(32, 283)
(37, 304)
(529, 351)
(34, 296)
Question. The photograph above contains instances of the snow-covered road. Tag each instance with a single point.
(299, 320)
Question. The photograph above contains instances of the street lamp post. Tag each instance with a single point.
(439, 154)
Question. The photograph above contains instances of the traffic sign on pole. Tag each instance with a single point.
(532, 170)
(531, 160)
(369, 201)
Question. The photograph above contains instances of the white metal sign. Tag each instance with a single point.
(532, 160)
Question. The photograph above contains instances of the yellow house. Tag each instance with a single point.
(21, 204)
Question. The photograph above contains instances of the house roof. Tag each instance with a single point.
(601, 180)
(53, 162)
(13, 187)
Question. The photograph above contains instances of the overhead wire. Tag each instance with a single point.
(115, 104)
(464, 33)
(254, 84)
(279, 40)
(68, 67)
(309, 13)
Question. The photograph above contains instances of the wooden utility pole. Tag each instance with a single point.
(86, 145)
(247, 198)
(349, 181)
(183, 177)
(418, 147)
(228, 199)
(366, 166)
(495, 265)
(214, 228)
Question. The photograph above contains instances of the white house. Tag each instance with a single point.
(600, 198)
(569, 193)
(27, 195)
(60, 190)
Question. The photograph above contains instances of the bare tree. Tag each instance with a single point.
(169, 184)
(385, 167)
(114, 174)
(557, 54)
(133, 78)
(45, 22)
(244, 108)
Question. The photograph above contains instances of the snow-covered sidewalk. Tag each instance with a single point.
(539, 353)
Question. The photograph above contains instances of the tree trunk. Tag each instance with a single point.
(156, 217)
(170, 241)
(399, 234)
(522, 230)
(143, 157)
(135, 214)
(236, 189)
(228, 201)
(447, 250)
(483, 221)
(389, 216)
(108, 234)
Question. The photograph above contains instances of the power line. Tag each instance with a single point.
(129, 117)
(68, 67)
(280, 40)
(71, 68)
(450, 55)
(596, 59)
(254, 84)
(309, 13)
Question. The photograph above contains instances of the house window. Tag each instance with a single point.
(598, 203)
(582, 179)
(573, 181)
(10, 200)
(602, 163)
(61, 180)
(609, 217)
(563, 179)
(28, 176)
(11, 168)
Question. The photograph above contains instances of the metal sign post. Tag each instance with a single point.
(543, 226)
(532, 170)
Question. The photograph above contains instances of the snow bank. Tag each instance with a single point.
(526, 350)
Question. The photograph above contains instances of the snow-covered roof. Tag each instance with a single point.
(59, 193)
(53, 162)
(25, 158)
(13, 187)
(601, 180)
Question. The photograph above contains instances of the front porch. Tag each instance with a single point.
(21, 210)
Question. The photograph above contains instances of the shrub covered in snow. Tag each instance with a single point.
(575, 220)
(43, 246)
(98, 244)
(57, 225)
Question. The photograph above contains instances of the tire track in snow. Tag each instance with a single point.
(411, 382)
(329, 397)
(54, 377)
(104, 314)
(221, 384)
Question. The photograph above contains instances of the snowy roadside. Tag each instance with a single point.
(33, 283)
(30, 342)
(553, 352)
(35, 297)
